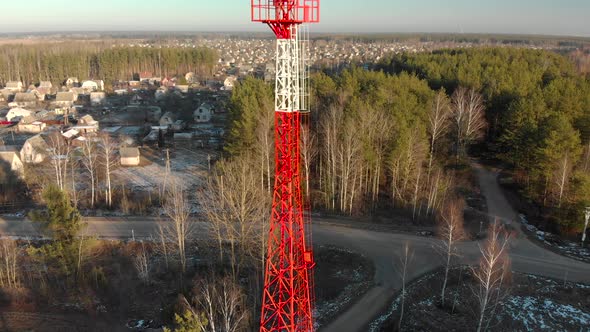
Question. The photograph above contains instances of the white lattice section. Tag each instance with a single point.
(288, 80)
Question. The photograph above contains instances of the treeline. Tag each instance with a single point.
(538, 109)
(373, 140)
(385, 138)
(57, 62)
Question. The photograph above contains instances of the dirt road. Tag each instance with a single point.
(385, 249)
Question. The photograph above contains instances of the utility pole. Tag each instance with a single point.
(288, 281)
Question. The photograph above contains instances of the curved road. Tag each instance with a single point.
(384, 249)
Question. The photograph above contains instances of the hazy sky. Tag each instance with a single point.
(561, 17)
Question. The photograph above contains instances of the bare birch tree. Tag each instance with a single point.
(141, 261)
(468, 114)
(561, 178)
(308, 155)
(9, 263)
(59, 153)
(222, 302)
(265, 144)
(90, 162)
(238, 210)
(404, 262)
(330, 125)
(109, 162)
(493, 268)
(180, 228)
(438, 121)
(451, 231)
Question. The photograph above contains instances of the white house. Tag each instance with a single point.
(97, 98)
(90, 86)
(17, 113)
(35, 150)
(12, 159)
(14, 86)
(130, 156)
(229, 83)
(87, 124)
(203, 113)
(30, 124)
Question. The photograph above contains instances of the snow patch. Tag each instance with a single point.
(544, 314)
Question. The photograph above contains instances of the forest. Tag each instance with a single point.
(56, 62)
(383, 138)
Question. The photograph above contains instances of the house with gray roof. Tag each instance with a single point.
(65, 99)
(35, 150)
(25, 99)
(130, 156)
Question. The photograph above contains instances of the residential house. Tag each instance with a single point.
(246, 70)
(136, 100)
(30, 124)
(130, 156)
(182, 88)
(97, 98)
(161, 93)
(90, 86)
(35, 150)
(70, 134)
(167, 120)
(87, 124)
(168, 82)
(121, 92)
(25, 99)
(14, 86)
(7, 94)
(17, 113)
(191, 77)
(65, 99)
(45, 85)
(145, 76)
(203, 113)
(41, 93)
(11, 160)
(72, 81)
(178, 125)
(229, 83)
(153, 113)
(77, 91)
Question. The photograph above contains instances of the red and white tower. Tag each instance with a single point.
(286, 299)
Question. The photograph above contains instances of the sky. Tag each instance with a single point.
(553, 17)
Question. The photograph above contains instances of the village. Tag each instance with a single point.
(156, 129)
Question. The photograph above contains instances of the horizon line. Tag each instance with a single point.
(257, 32)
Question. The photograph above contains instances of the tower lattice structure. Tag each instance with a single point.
(287, 292)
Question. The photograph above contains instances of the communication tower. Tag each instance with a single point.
(287, 293)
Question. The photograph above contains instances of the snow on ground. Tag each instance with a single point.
(543, 314)
(188, 166)
(567, 248)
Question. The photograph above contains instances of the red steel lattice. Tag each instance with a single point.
(287, 293)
